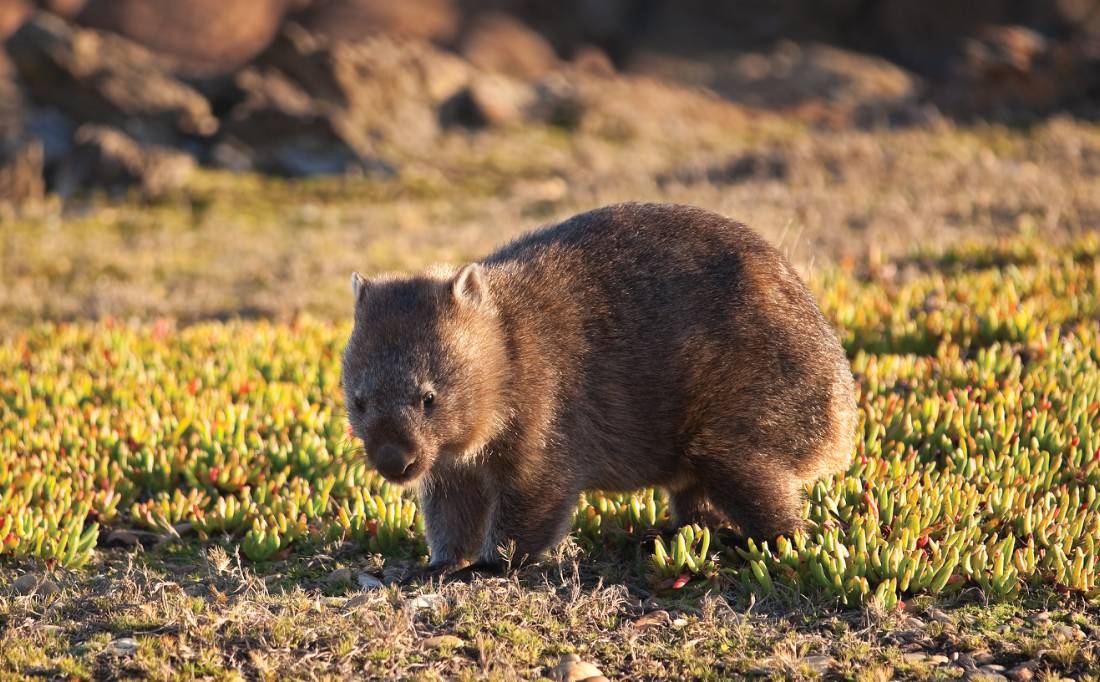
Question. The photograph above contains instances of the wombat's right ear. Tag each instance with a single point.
(359, 285)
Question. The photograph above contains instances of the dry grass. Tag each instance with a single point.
(233, 246)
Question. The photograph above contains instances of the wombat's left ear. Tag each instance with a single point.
(468, 286)
(359, 285)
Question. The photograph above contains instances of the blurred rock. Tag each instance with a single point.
(435, 20)
(573, 669)
(502, 44)
(490, 100)
(102, 78)
(1010, 69)
(377, 90)
(202, 36)
(12, 15)
(109, 159)
(21, 179)
(791, 76)
(591, 59)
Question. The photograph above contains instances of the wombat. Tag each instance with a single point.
(630, 346)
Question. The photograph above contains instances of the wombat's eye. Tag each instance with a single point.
(359, 403)
(427, 400)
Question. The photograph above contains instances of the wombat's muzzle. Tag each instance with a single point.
(394, 462)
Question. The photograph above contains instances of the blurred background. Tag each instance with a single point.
(224, 158)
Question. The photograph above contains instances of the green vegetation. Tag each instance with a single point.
(978, 460)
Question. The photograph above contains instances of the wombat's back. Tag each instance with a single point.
(655, 332)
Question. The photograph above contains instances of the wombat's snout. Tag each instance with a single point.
(395, 462)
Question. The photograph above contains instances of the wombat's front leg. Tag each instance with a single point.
(528, 518)
(456, 505)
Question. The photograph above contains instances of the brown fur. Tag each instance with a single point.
(634, 345)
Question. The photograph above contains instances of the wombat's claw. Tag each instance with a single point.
(478, 568)
(426, 574)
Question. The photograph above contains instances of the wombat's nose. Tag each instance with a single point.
(394, 462)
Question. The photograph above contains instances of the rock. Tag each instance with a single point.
(124, 646)
(356, 602)
(369, 582)
(21, 179)
(201, 36)
(443, 642)
(47, 588)
(814, 78)
(983, 657)
(109, 159)
(340, 575)
(499, 43)
(374, 91)
(1066, 632)
(593, 60)
(435, 20)
(12, 15)
(122, 538)
(25, 584)
(92, 76)
(572, 668)
(940, 616)
(818, 664)
(1023, 672)
(491, 100)
(1005, 69)
(426, 601)
(916, 658)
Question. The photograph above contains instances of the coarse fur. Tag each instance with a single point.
(633, 345)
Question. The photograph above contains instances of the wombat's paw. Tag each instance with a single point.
(478, 568)
(427, 574)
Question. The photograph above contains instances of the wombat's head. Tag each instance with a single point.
(424, 369)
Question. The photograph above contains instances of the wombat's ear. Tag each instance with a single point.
(468, 286)
(359, 285)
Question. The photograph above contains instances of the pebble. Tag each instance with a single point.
(443, 641)
(47, 588)
(679, 622)
(1041, 617)
(25, 583)
(369, 582)
(122, 538)
(819, 664)
(1066, 631)
(983, 657)
(1023, 672)
(340, 575)
(939, 616)
(356, 602)
(425, 601)
(573, 669)
(918, 657)
(124, 646)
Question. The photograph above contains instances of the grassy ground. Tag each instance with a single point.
(181, 500)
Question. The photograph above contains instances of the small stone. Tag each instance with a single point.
(915, 658)
(340, 575)
(986, 675)
(426, 601)
(25, 584)
(966, 662)
(818, 664)
(573, 669)
(1041, 617)
(443, 642)
(47, 588)
(993, 667)
(122, 538)
(939, 616)
(938, 659)
(1023, 672)
(913, 623)
(983, 657)
(124, 646)
(679, 622)
(1066, 632)
(369, 582)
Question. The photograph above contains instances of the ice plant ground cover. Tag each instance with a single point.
(974, 481)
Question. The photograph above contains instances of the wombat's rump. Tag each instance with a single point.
(634, 345)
